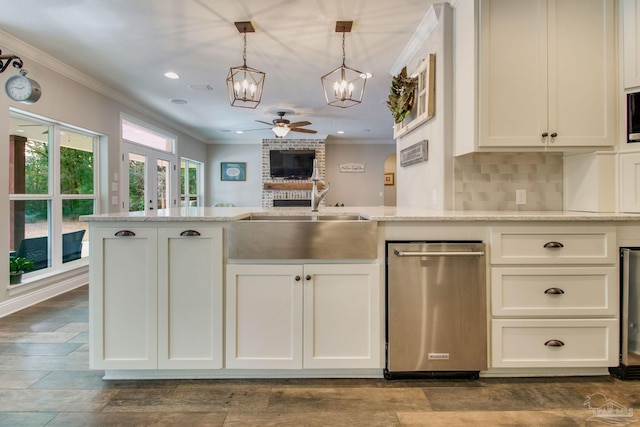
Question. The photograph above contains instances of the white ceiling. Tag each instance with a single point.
(129, 45)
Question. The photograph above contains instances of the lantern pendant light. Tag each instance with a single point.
(344, 86)
(245, 84)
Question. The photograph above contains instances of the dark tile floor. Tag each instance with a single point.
(45, 381)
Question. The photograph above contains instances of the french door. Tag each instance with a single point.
(148, 179)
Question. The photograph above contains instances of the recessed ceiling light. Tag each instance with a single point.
(179, 101)
(366, 75)
(171, 75)
(239, 131)
(20, 130)
(340, 131)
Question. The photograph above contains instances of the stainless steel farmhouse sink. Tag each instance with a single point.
(303, 237)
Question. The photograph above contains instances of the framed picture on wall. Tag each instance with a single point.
(388, 178)
(233, 171)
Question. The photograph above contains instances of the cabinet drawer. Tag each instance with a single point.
(553, 245)
(559, 291)
(579, 343)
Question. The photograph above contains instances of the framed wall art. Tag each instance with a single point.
(233, 171)
(388, 178)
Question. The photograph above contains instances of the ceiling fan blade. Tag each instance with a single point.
(266, 123)
(253, 130)
(298, 124)
(303, 130)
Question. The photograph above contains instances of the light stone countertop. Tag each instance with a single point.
(375, 213)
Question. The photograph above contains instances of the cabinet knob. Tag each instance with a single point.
(308, 277)
(125, 233)
(554, 343)
(545, 134)
(190, 233)
(553, 135)
(554, 291)
(297, 278)
(553, 245)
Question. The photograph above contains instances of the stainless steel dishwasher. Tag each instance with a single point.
(436, 309)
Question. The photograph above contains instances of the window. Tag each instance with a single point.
(52, 183)
(190, 183)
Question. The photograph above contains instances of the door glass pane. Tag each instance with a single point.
(75, 234)
(136, 182)
(29, 231)
(193, 178)
(163, 184)
(76, 163)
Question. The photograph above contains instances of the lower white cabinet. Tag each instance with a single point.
(302, 316)
(156, 297)
(123, 295)
(554, 297)
(534, 343)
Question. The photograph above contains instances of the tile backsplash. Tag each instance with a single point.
(488, 181)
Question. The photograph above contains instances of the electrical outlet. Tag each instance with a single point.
(434, 198)
(521, 197)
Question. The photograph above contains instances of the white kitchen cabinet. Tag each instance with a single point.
(554, 297)
(631, 43)
(190, 306)
(123, 298)
(302, 316)
(546, 74)
(542, 343)
(630, 182)
(156, 298)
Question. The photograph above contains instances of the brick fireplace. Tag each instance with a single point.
(288, 191)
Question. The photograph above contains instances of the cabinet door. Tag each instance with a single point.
(190, 309)
(547, 74)
(513, 73)
(342, 316)
(582, 96)
(631, 42)
(263, 317)
(123, 298)
(630, 182)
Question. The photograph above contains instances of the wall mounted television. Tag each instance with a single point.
(291, 164)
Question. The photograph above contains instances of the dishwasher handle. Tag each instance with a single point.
(470, 253)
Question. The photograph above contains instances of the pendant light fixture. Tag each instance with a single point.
(244, 84)
(344, 86)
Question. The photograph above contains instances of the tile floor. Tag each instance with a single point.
(45, 381)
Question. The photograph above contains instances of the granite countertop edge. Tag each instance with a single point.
(376, 213)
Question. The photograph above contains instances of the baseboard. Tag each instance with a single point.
(28, 297)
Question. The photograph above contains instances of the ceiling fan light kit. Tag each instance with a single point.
(344, 86)
(245, 84)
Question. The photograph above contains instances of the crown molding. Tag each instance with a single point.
(26, 50)
(425, 28)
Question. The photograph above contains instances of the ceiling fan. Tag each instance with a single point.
(281, 126)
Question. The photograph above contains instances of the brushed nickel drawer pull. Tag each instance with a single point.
(553, 245)
(190, 233)
(554, 291)
(125, 233)
(554, 343)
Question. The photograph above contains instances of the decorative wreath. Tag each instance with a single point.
(402, 95)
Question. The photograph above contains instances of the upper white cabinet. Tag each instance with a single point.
(546, 74)
(631, 43)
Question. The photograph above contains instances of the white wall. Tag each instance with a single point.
(423, 183)
(240, 193)
(357, 189)
(66, 100)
